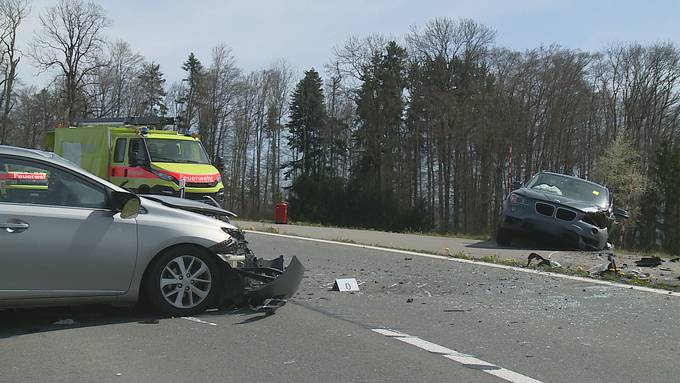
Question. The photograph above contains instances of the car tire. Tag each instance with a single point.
(184, 280)
(503, 237)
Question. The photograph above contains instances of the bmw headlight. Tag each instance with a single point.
(516, 199)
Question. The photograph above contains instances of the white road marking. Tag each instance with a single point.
(425, 345)
(387, 332)
(478, 263)
(193, 319)
(464, 359)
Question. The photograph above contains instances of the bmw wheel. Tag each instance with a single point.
(183, 281)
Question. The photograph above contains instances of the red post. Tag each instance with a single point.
(281, 213)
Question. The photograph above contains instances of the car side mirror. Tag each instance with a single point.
(516, 185)
(127, 204)
(621, 213)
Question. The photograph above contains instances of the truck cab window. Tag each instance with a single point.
(137, 152)
(119, 152)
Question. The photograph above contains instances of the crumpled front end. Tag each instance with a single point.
(558, 224)
(264, 284)
(260, 283)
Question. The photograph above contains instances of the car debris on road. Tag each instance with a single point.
(543, 262)
(649, 262)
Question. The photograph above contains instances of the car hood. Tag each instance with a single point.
(190, 205)
(586, 207)
(156, 210)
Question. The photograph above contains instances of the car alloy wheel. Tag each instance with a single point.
(185, 282)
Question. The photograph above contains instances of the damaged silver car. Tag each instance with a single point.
(68, 237)
(565, 210)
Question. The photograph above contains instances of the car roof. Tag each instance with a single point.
(24, 152)
(572, 177)
(39, 155)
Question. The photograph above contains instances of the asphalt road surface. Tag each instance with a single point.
(414, 319)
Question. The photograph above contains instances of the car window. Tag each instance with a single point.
(136, 149)
(35, 183)
(119, 151)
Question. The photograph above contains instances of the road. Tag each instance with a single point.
(525, 327)
(667, 275)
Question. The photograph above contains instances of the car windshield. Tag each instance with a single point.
(570, 187)
(176, 151)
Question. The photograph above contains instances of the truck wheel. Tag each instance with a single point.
(503, 237)
(184, 280)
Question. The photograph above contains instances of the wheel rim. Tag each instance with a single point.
(185, 282)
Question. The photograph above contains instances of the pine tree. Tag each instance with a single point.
(307, 119)
(380, 107)
(194, 70)
(151, 82)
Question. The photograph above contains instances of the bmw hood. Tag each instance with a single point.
(586, 207)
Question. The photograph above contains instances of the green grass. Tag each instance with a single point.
(269, 229)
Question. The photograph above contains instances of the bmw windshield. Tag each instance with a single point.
(571, 188)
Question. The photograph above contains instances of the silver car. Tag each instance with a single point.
(67, 237)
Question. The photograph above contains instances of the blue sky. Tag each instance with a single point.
(304, 33)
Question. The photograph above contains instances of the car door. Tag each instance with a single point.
(57, 236)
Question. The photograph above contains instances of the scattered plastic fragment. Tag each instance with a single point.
(634, 273)
(542, 261)
(649, 262)
(609, 266)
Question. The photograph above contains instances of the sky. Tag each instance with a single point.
(305, 33)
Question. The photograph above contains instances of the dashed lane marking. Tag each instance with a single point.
(477, 263)
(468, 361)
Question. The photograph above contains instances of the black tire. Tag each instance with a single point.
(503, 237)
(167, 266)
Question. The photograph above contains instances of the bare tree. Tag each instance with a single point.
(114, 90)
(72, 41)
(12, 13)
(218, 93)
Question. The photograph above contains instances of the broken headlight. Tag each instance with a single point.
(516, 199)
(225, 247)
(237, 234)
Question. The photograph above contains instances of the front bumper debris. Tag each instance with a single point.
(262, 284)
